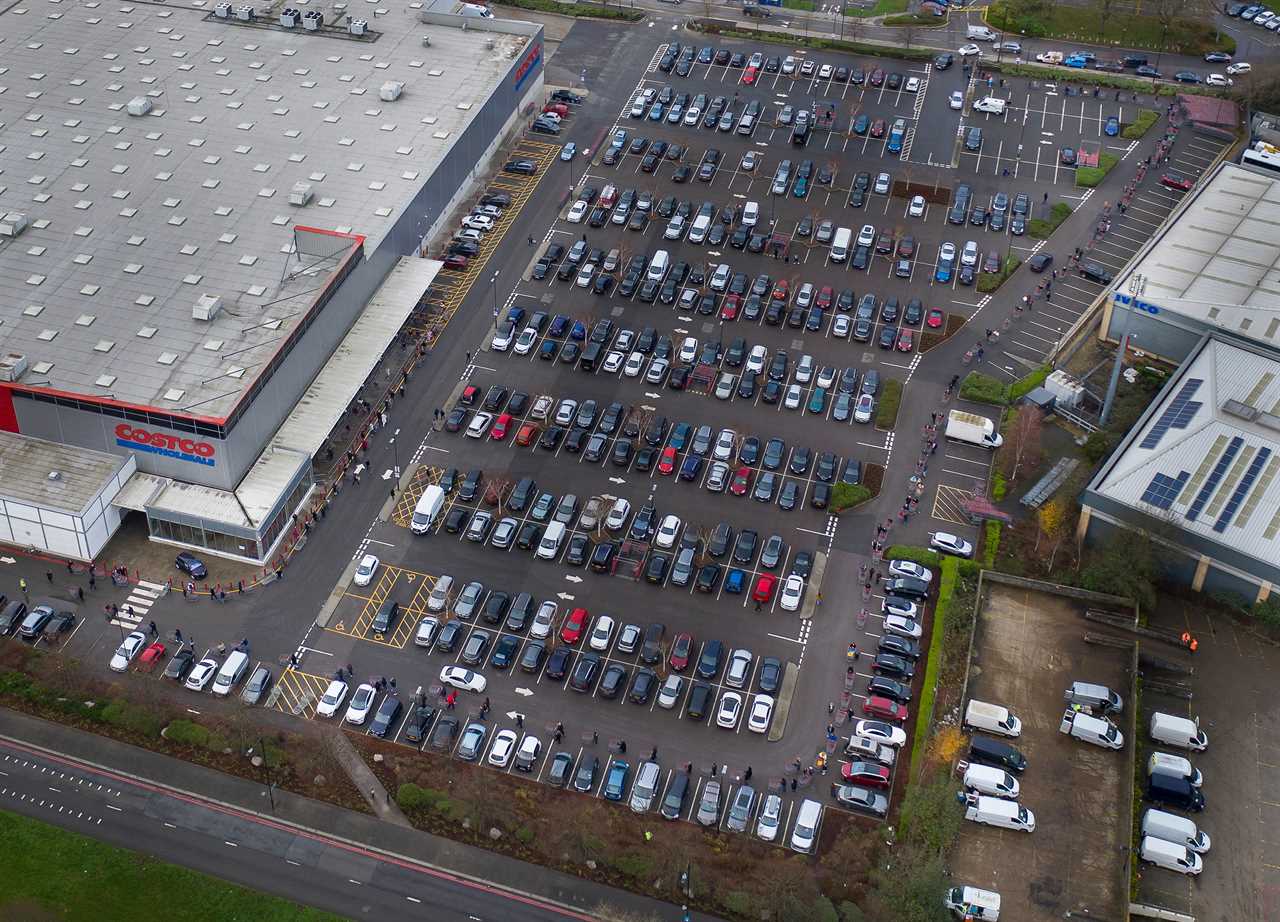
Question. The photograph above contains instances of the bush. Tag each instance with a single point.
(122, 714)
(526, 835)
(1097, 446)
(1140, 125)
(929, 819)
(584, 10)
(982, 388)
(633, 864)
(1089, 78)
(999, 486)
(412, 797)
(924, 20)
(929, 688)
(1028, 383)
(890, 401)
(1043, 228)
(187, 733)
(990, 281)
(847, 495)
(992, 545)
(920, 555)
(1089, 176)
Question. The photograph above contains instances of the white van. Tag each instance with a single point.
(993, 718)
(972, 903)
(986, 779)
(1164, 763)
(1089, 729)
(805, 835)
(1095, 697)
(698, 229)
(1174, 828)
(750, 214)
(993, 811)
(840, 244)
(428, 508)
(991, 104)
(659, 265)
(982, 34)
(439, 597)
(1178, 731)
(231, 673)
(1169, 855)
(552, 538)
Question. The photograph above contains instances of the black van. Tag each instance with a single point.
(386, 617)
(987, 751)
(1095, 273)
(1134, 60)
(1175, 792)
(673, 801)
(591, 357)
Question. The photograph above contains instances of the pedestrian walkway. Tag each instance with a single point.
(142, 595)
(366, 781)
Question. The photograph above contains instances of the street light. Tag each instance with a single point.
(395, 452)
(494, 282)
(1137, 285)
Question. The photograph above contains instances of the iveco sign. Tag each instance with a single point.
(1137, 304)
(162, 443)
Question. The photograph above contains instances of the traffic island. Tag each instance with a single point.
(1043, 228)
(990, 281)
(1087, 177)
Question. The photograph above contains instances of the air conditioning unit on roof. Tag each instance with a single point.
(358, 27)
(391, 90)
(289, 18)
(12, 366)
(312, 20)
(206, 307)
(12, 224)
(300, 194)
(246, 13)
(139, 105)
(222, 11)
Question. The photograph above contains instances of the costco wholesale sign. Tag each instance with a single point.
(162, 443)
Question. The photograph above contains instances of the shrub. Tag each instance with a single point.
(1097, 446)
(890, 401)
(1141, 124)
(187, 733)
(1043, 228)
(633, 864)
(992, 544)
(526, 835)
(791, 38)
(982, 388)
(990, 281)
(847, 495)
(999, 486)
(120, 713)
(1089, 176)
(929, 688)
(1088, 78)
(1028, 383)
(586, 10)
(412, 797)
(920, 555)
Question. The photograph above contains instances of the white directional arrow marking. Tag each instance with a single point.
(512, 715)
(524, 691)
(617, 480)
(573, 579)
(645, 406)
(681, 330)
(386, 475)
(652, 396)
(8, 560)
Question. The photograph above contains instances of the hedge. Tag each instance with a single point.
(1043, 228)
(923, 20)
(999, 486)
(890, 401)
(920, 555)
(991, 545)
(847, 495)
(990, 281)
(1088, 78)
(982, 388)
(1140, 125)
(581, 10)
(790, 38)
(1089, 176)
(1028, 383)
(924, 707)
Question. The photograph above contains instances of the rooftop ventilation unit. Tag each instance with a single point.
(1242, 410)
(139, 105)
(13, 223)
(312, 20)
(222, 11)
(289, 18)
(391, 90)
(1066, 390)
(206, 307)
(246, 13)
(358, 27)
(13, 366)
(54, 476)
(301, 194)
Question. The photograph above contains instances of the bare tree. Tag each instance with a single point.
(1166, 12)
(908, 33)
(1104, 9)
(1024, 446)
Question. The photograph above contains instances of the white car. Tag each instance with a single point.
(968, 50)
(947, 253)
(426, 633)
(769, 821)
(364, 573)
(634, 365)
(332, 699)
(525, 341)
(789, 65)
(725, 442)
(668, 532)
(841, 326)
(618, 514)
(462, 678)
(1239, 67)
(913, 85)
(903, 627)
(504, 746)
(866, 236)
(883, 181)
(689, 350)
(910, 569)
(1217, 80)
(795, 394)
(756, 359)
(502, 338)
(601, 633)
(792, 593)
(730, 710)
(612, 362)
(881, 732)
(527, 754)
(658, 369)
(761, 714)
(948, 543)
(127, 650)
(826, 377)
(675, 228)
(864, 408)
(479, 425)
(896, 605)
(544, 621)
(480, 222)
(749, 161)
(361, 704)
(201, 674)
(585, 274)
(577, 212)
(669, 693)
(917, 206)
(969, 255)
(956, 100)
(566, 412)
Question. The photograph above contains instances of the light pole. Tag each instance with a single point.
(1137, 284)
(395, 454)
(494, 282)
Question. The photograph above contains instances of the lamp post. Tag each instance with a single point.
(494, 282)
(395, 454)
(1137, 284)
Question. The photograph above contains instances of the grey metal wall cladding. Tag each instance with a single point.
(1170, 335)
(1219, 581)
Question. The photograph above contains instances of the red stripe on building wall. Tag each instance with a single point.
(8, 416)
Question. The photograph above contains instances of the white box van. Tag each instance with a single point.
(1170, 856)
(840, 244)
(992, 717)
(1178, 731)
(429, 506)
(992, 104)
(659, 265)
(231, 673)
(993, 811)
(1164, 763)
(552, 538)
(439, 597)
(1174, 828)
(805, 835)
(986, 779)
(982, 34)
(1090, 729)
(972, 903)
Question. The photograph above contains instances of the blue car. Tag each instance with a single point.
(1112, 128)
(655, 113)
(691, 467)
(615, 783)
(735, 582)
(801, 188)
(1076, 60)
(567, 152)
(579, 331)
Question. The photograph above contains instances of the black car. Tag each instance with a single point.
(708, 577)
(495, 607)
(415, 727)
(602, 556)
(191, 565)
(180, 665)
(470, 487)
(579, 550)
(388, 713)
(558, 662)
(888, 688)
(532, 655)
(769, 679)
(655, 571)
(504, 651)
(1040, 262)
(449, 636)
(699, 702)
(821, 496)
(521, 167)
(457, 419)
(585, 672)
(943, 61)
(898, 646)
(444, 733)
(387, 616)
(613, 681)
(709, 659)
(744, 549)
(642, 686)
(887, 664)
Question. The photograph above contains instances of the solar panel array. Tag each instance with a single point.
(1163, 489)
(1214, 478)
(1237, 495)
(1177, 415)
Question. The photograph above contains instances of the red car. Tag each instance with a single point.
(878, 128)
(456, 261)
(558, 108)
(781, 291)
(574, 625)
(527, 435)
(151, 656)
(749, 76)
(935, 318)
(877, 77)
(764, 588)
(866, 773)
(729, 311)
(500, 427)
(883, 708)
(1176, 181)
(470, 394)
(906, 340)
(667, 464)
(741, 482)
(826, 296)
(681, 650)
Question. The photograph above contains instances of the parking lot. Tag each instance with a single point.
(1028, 647)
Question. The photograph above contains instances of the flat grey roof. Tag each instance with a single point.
(133, 218)
(27, 464)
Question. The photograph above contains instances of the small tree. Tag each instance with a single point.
(1024, 446)
(1052, 520)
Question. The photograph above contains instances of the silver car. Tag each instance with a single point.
(479, 525)
(672, 689)
(472, 742)
(545, 620)
(718, 477)
(709, 804)
(503, 534)
(739, 668)
(770, 818)
(740, 810)
(469, 600)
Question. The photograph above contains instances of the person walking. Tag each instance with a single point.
(80, 594)
(155, 632)
(746, 776)
(22, 584)
(49, 576)
(622, 747)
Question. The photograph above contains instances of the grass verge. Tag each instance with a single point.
(1140, 125)
(789, 38)
(580, 10)
(1082, 24)
(1089, 176)
(1092, 78)
(847, 495)
(991, 546)
(924, 707)
(882, 8)
(982, 388)
(990, 281)
(74, 878)
(922, 20)
(890, 401)
(1043, 228)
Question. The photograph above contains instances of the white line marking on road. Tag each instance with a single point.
(117, 809)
